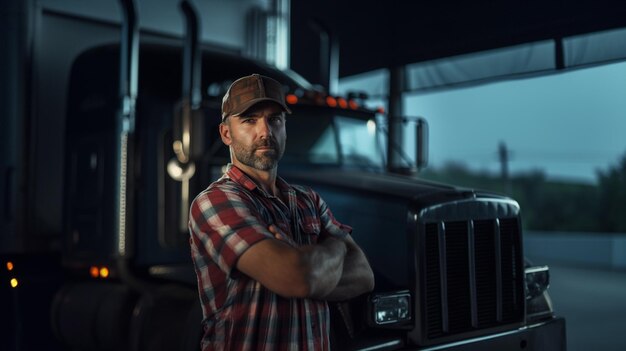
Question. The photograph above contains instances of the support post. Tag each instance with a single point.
(396, 110)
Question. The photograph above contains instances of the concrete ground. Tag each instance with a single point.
(593, 302)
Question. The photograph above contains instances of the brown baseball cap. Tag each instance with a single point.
(250, 90)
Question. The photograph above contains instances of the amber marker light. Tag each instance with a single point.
(104, 272)
(292, 99)
(14, 283)
(94, 272)
(331, 101)
(10, 266)
(342, 103)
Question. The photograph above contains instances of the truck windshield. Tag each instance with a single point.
(333, 139)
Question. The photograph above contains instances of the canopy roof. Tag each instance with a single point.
(449, 42)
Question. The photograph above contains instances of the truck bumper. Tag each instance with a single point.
(546, 336)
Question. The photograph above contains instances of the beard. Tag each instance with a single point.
(266, 160)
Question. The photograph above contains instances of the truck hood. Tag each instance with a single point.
(411, 188)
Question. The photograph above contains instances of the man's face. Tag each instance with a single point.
(257, 137)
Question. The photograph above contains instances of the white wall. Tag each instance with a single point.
(598, 250)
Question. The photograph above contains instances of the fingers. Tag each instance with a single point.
(277, 233)
(273, 229)
(280, 235)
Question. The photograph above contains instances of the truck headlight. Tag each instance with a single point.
(537, 281)
(390, 308)
(538, 302)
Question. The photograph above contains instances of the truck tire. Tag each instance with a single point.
(159, 321)
(93, 316)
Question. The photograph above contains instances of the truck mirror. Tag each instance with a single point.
(421, 144)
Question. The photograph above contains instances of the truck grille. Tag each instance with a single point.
(473, 276)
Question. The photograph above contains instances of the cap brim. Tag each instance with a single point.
(245, 107)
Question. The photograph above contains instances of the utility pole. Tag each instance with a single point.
(503, 153)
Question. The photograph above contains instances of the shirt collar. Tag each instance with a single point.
(237, 175)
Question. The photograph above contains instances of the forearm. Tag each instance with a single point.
(325, 266)
(357, 277)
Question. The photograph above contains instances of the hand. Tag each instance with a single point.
(278, 234)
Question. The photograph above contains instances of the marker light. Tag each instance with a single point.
(380, 110)
(342, 103)
(331, 101)
(292, 99)
(104, 272)
(94, 272)
(371, 127)
(14, 283)
(391, 308)
(353, 104)
(10, 266)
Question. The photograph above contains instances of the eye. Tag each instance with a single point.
(276, 119)
(248, 120)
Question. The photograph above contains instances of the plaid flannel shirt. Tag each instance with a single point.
(226, 219)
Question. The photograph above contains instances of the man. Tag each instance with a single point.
(268, 255)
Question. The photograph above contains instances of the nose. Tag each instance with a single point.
(264, 129)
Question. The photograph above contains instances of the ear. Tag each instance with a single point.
(225, 134)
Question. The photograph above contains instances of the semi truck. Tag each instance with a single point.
(141, 140)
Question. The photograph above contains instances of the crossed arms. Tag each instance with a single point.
(226, 223)
(334, 269)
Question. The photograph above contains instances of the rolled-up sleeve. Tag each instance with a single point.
(329, 223)
(223, 224)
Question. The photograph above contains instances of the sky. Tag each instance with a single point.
(569, 125)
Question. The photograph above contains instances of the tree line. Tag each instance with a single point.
(552, 205)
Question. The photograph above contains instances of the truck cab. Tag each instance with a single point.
(448, 261)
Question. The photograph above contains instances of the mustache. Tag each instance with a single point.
(267, 143)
